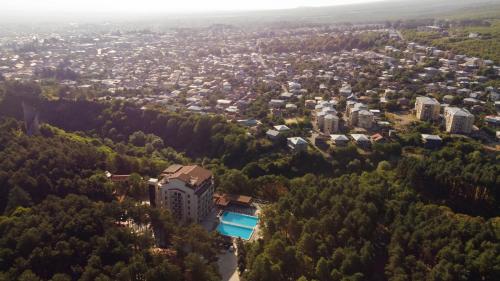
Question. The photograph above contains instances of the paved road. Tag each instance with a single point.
(400, 35)
(228, 266)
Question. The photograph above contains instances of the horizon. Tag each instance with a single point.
(127, 7)
(196, 12)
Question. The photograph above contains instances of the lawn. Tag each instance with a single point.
(291, 121)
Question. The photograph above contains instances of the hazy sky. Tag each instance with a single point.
(140, 6)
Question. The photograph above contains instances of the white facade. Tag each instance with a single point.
(320, 119)
(297, 144)
(331, 124)
(187, 191)
(365, 119)
(427, 109)
(353, 111)
(458, 120)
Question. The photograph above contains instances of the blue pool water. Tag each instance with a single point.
(235, 231)
(237, 225)
(240, 219)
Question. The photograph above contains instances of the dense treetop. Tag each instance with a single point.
(78, 239)
(369, 227)
(397, 211)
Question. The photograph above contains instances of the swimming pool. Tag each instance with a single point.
(237, 225)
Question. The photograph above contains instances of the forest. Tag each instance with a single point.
(385, 215)
(75, 238)
(369, 227)
(59, 209)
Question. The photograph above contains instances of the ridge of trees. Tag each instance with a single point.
(369, 227)
(461, 173)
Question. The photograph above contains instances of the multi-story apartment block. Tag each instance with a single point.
(331, 124)
(187, 191)
(365, 119)
(427, 108)
(458, 120)
(358, 115)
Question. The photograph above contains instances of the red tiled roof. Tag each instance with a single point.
(377, 137)
(119, 178)
(224, 199)
(193, 175)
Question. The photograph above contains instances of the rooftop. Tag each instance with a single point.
(456, 111)
(281, 128)
(225, 199)
(193, 175)
(297, 140)
(339, 137)
(360, 137)
(427, 100)
(431, 137)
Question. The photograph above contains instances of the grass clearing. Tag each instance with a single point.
(295, 120)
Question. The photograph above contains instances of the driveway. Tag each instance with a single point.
(228, 266)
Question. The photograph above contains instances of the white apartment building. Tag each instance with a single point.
(358, 115)
(320, 119)
(365, 119)
(187, 191)
(458, 120)
(331, 124)
(427, 109)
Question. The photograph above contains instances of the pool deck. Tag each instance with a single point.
(228, 261)
(256, 234)
(232, 222)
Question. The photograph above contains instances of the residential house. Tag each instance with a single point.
(431, 141)
(290, 107)
(377, 138)
(310, 104)
(361, 140)
(297, 144)
(282, 128)
(276, 103)
(339, 140)
(248, 122)
(272, 134)
(492, 120)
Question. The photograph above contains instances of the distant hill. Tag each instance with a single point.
(374, 12)
(393, 9)
(355, 13)
(381, 11)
